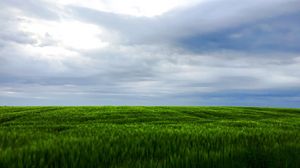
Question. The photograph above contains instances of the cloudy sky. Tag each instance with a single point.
(150, 52)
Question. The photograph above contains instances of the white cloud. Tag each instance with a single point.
(145, 8)
(64, 33)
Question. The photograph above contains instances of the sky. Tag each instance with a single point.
(150, 52)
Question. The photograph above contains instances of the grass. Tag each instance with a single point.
(149, 137)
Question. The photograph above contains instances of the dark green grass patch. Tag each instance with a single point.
(149, 137)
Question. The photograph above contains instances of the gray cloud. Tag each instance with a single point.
(278, 34)
(167, 59)
(183, 22)
(40, 9)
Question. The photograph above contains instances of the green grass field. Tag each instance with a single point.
(149, 137)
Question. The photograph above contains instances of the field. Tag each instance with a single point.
(111, 136)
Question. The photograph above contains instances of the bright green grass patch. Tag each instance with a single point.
(149, 137)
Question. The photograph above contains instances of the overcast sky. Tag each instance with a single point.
(150, 52)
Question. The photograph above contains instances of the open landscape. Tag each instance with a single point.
(140, 136)
(150, 84)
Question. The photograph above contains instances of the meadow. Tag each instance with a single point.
(116, 136)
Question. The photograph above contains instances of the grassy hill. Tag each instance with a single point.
(149, 137)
